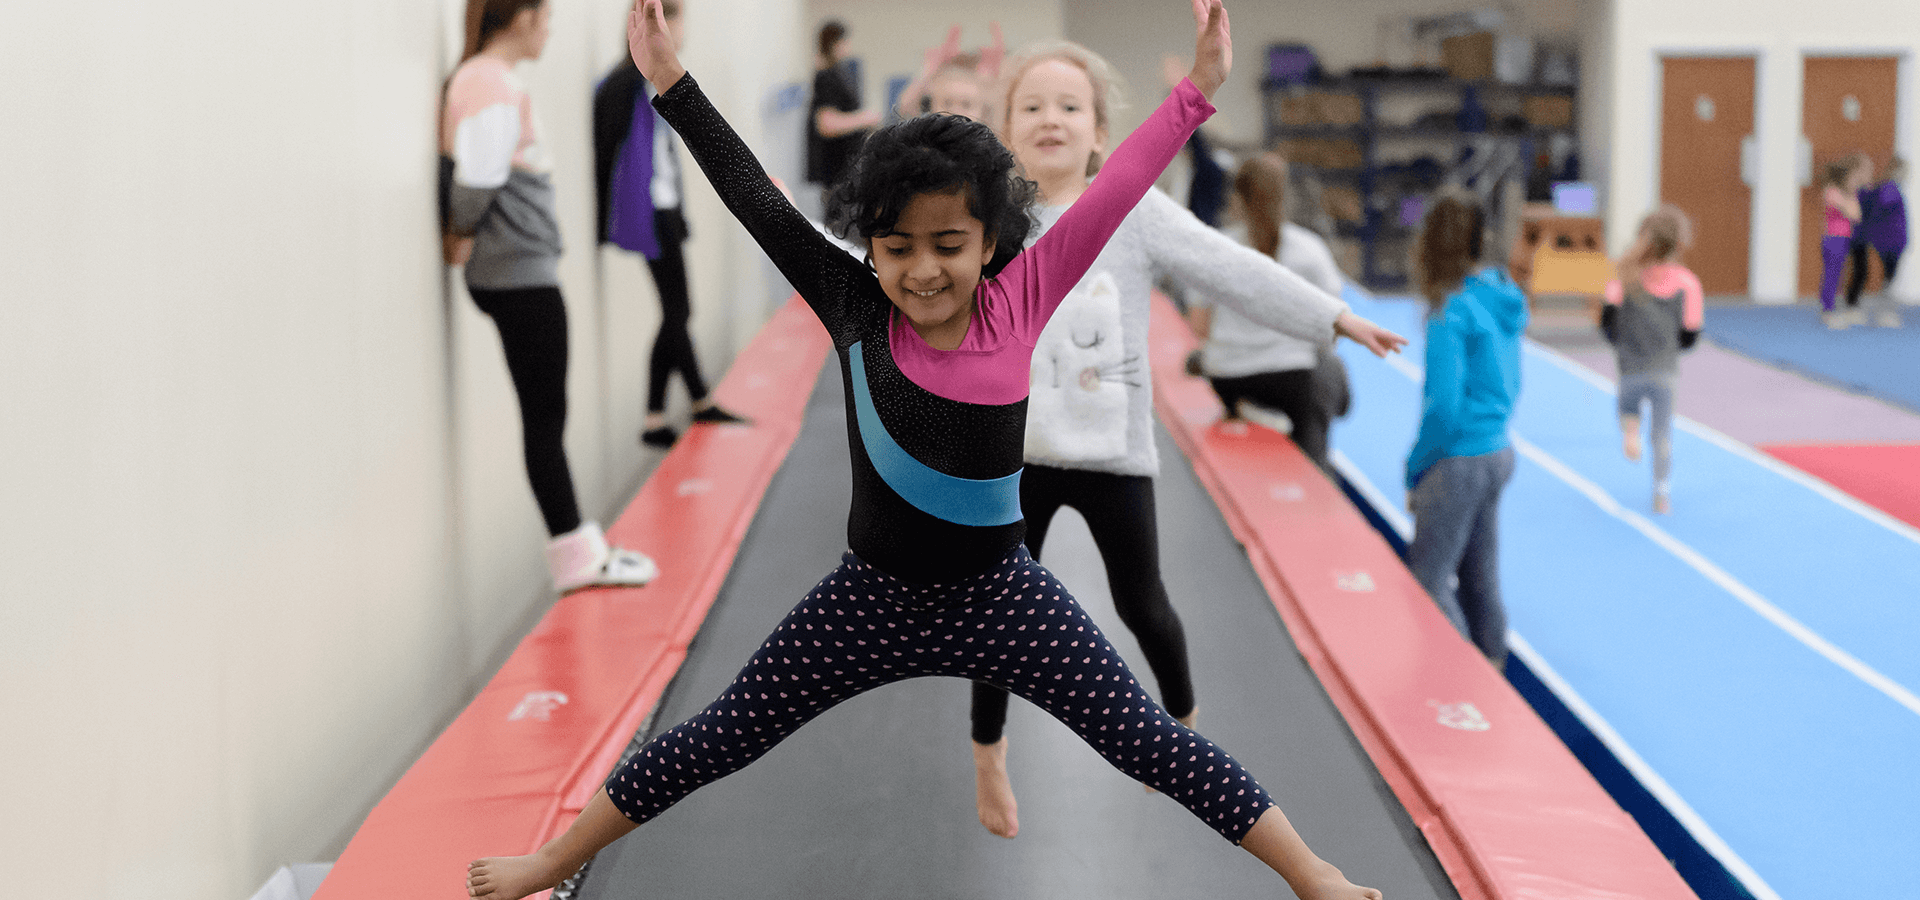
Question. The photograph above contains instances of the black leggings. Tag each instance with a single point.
(673, 346)
(533, 332)
(1290, 392)
(1857, 279)
(1013, 625)
(1120, 514)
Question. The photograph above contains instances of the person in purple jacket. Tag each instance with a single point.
(637, 175)
(1883, 227)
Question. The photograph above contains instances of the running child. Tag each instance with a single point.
(1653, 312)
(933, 338)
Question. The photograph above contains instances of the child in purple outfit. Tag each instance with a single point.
(1883, 227)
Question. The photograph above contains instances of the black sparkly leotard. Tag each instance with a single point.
(936, 582)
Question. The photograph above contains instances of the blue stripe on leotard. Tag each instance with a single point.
(962, 501)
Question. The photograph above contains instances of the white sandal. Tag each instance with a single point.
(581, 558)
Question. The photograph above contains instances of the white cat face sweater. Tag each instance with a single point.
(1091, 405)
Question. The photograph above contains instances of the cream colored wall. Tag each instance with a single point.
(267, 524)
(1780, 34)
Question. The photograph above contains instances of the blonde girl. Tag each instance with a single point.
(1653, 312)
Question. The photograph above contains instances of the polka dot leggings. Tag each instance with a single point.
(1013, 626)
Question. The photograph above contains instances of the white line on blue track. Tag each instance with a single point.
(1642, 771)
(1747, 596)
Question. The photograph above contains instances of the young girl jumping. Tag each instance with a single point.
(1090, 439)
(1654, 311)
(933, 339)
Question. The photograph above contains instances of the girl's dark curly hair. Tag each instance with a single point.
(936, 154)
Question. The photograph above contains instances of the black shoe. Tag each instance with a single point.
(714, 415)
(662, 437)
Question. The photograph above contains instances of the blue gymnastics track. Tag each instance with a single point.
(1749, 659)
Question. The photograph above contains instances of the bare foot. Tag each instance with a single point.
(1630, 437)
(1662, 504)
(1326, 883)
(512, 877)
(992, 792)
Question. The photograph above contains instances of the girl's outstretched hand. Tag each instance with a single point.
(1368, 335)
(947, 50)
(1212, 47)
(992, 54)
(652, 45)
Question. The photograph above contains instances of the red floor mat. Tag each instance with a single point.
(1885, 476)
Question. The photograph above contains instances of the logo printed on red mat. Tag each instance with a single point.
(693, 486)
(538, 705)
(1354, 582)
(1290, 492)
(1462, 716)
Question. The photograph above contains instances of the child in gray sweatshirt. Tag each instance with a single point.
(1653, 312)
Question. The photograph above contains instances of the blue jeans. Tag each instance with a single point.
(1456, 536)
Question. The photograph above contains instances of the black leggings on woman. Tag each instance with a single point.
(673, 346)
(1290, 392)
(1013, 626)
(533, 332)
(1120, 513)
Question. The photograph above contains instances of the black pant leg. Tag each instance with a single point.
(1123, 520)
(1040, 492)
(1290, 392)
(673, 346)
(1857, 271)
(533, 333)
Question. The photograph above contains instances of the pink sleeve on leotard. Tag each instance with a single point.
(1035, 282)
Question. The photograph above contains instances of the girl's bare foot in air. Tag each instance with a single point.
(992, 792)
(513, 877)
(1630, 437)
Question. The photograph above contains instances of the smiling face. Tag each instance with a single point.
(1052, 124)
(929, 265)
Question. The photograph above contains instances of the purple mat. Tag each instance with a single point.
(1758, 404)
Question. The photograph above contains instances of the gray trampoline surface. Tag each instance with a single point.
(875, 797)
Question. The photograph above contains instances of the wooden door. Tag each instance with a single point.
(1706, 114)
(1847, 107)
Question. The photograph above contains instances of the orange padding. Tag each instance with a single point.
(533, 746)
(1506, 807)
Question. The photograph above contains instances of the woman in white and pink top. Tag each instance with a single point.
(501, 197)
(1654, 311)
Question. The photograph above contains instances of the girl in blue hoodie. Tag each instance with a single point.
(1462, 459)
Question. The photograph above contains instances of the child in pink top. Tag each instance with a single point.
(1653, 312)
(1841, 193)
